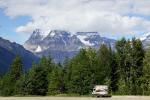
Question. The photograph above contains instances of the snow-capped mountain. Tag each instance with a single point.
(60, 44)
(93, 39)
(146, 40)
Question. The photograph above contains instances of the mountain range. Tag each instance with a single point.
(9, 50)
(146, 40)
(58, 44)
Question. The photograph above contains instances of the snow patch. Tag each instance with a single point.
(42, 34)
(80, 47)
(52, 33)
(144, 36)
(64, 42)
(82, 39)
(39, 49)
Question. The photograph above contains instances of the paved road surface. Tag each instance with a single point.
(78, 98)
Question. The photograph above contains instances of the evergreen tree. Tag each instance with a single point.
(103, 69)
(80, 74)
(146, 74)
(121, 56)
(56, 81)
(36, 81)
(19, 86)
(122, 69)
(137, 65)
(130, 56)
(114, 75)
(47, 64)
(7, 86)
(124, 59)
(10, 79)
(16, 69)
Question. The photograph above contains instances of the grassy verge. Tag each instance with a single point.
(72, 95)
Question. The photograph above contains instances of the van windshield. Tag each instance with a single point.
(100, 90)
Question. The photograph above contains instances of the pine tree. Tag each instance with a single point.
(19, 86)
(36, 81)
(121, 56)
(46, 63)
(56, 81)
(137, 65)
(146, 74)
(7, 86)
(16, 69)
(124, 59)
(104, 65)
(114, 75)
(81, 72)
(10, 78)
(130, 54)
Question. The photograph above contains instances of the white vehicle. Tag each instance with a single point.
(100, 91)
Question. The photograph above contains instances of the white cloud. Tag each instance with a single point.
(104, 16)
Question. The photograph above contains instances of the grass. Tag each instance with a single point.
(71, 95)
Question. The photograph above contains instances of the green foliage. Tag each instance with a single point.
(114, 74)
(19, 86)
(103, 69)
(123, 55)
(16, 69)
(7, 86)
(56, 81)
(36, 82)
(130, 56)
(146, 74)
(126, 70)
(137, 66)
(47, 64)
(80, 74)
(10, 79)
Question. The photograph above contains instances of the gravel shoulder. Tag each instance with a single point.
(78, 98)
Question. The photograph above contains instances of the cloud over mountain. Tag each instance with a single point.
(111, 17)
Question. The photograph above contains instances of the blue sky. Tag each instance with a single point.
(8, 26)
(111, 18)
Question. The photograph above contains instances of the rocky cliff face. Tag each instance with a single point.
(60, 44)
(146, 40)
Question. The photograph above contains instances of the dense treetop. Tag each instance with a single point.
(126, 70)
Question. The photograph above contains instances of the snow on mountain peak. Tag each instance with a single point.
(39, 49)
(52, 33)
(59, 33)
(87, 33)
(84, 41)
(83, 36)
(36, 32)
(40, 33)
(62, 43)
(144, 36)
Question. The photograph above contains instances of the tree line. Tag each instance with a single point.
(125, 69)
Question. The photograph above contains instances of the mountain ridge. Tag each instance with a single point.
(60, 43)
(9, 50)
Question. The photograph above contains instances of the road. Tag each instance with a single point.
(78, 98)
